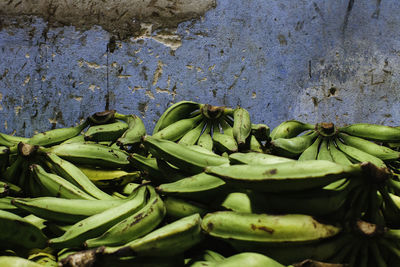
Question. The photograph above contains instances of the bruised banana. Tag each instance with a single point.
(97, 224)
(174, 113)
(255, 158)
(18, 232)
(373, 132)
(64, 210)
(176, 130)
(260, 131)
(357, 155)
(187, 159)
(73, 174)
(106, 132)
(311, 152)
(241, 125)
(248, 229)
(136, 225)
(290, 129)
(285, 176)
(91, 154)
(135, 132)
(381, 152)
(56, 136)
(57, 186)
(293, 147)
(205, 140)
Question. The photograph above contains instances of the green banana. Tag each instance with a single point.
(373, 132)
(64, 210)
(57, 186)
(254, 144)
(10, 140)
(285, 176)
(168, 240)
(14, 261)
(106, 132)
(241, 125)
(74, 175)
(147, 165)
(91, 154)
(324, 153)
(13, 171)
(18, 232)
(382, 152)
(136, 225)
(200, 185)
(36, 221)
(135, 132)
(6, 205)
(266, 230)
(176, 130)
(76, 139)
(97, 224)
(174, 113)
(293, 147)
(223, 142)
(191, 136)
(255, 158)
(181, 156)
(205, 139)
(311, 152)
(248, 259)
(357, 155)
(177, 208)
(226, 127)
(56, 136)
(241, 201)
(290, 129)
(337, 155)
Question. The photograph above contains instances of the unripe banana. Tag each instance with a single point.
(357, 155)
(136, 225)
(64, 210)
(14, 261)
(135, 132)
(174, 113)
(324, 153)
(241, 125)
(293, 147)
(205, 139)
(181, 156)
(12, 173)
(246, 201)
(177, 208)
(10, 140)
(311, 152)
(290, 129)
(74, 175)
(266, 230)
(91, 154)
(56, 136)
(226, 127)
(285, 176)
(57, 186)
(223, 142)
(76, 139)
(337, 155)
(191, 137)
(248, 259)
(255, 158)
(168, 240)
(18, 232)
(382, 152)
(254, 144)
(97, 224)
(178, 129)
(106, 132)
(373, 132)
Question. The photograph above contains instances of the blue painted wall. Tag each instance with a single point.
(315, 61)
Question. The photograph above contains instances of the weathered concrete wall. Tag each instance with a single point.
(314, 61)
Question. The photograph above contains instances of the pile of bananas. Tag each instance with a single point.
(207, 188)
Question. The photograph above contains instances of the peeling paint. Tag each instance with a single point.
(158, 72)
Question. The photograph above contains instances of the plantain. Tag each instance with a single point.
(293, 147)
(290, 129)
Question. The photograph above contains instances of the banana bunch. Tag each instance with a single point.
(218, 129)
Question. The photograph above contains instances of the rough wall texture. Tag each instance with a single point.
(315, 61)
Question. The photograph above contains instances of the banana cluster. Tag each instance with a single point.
(218, 129)
(207, 188)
